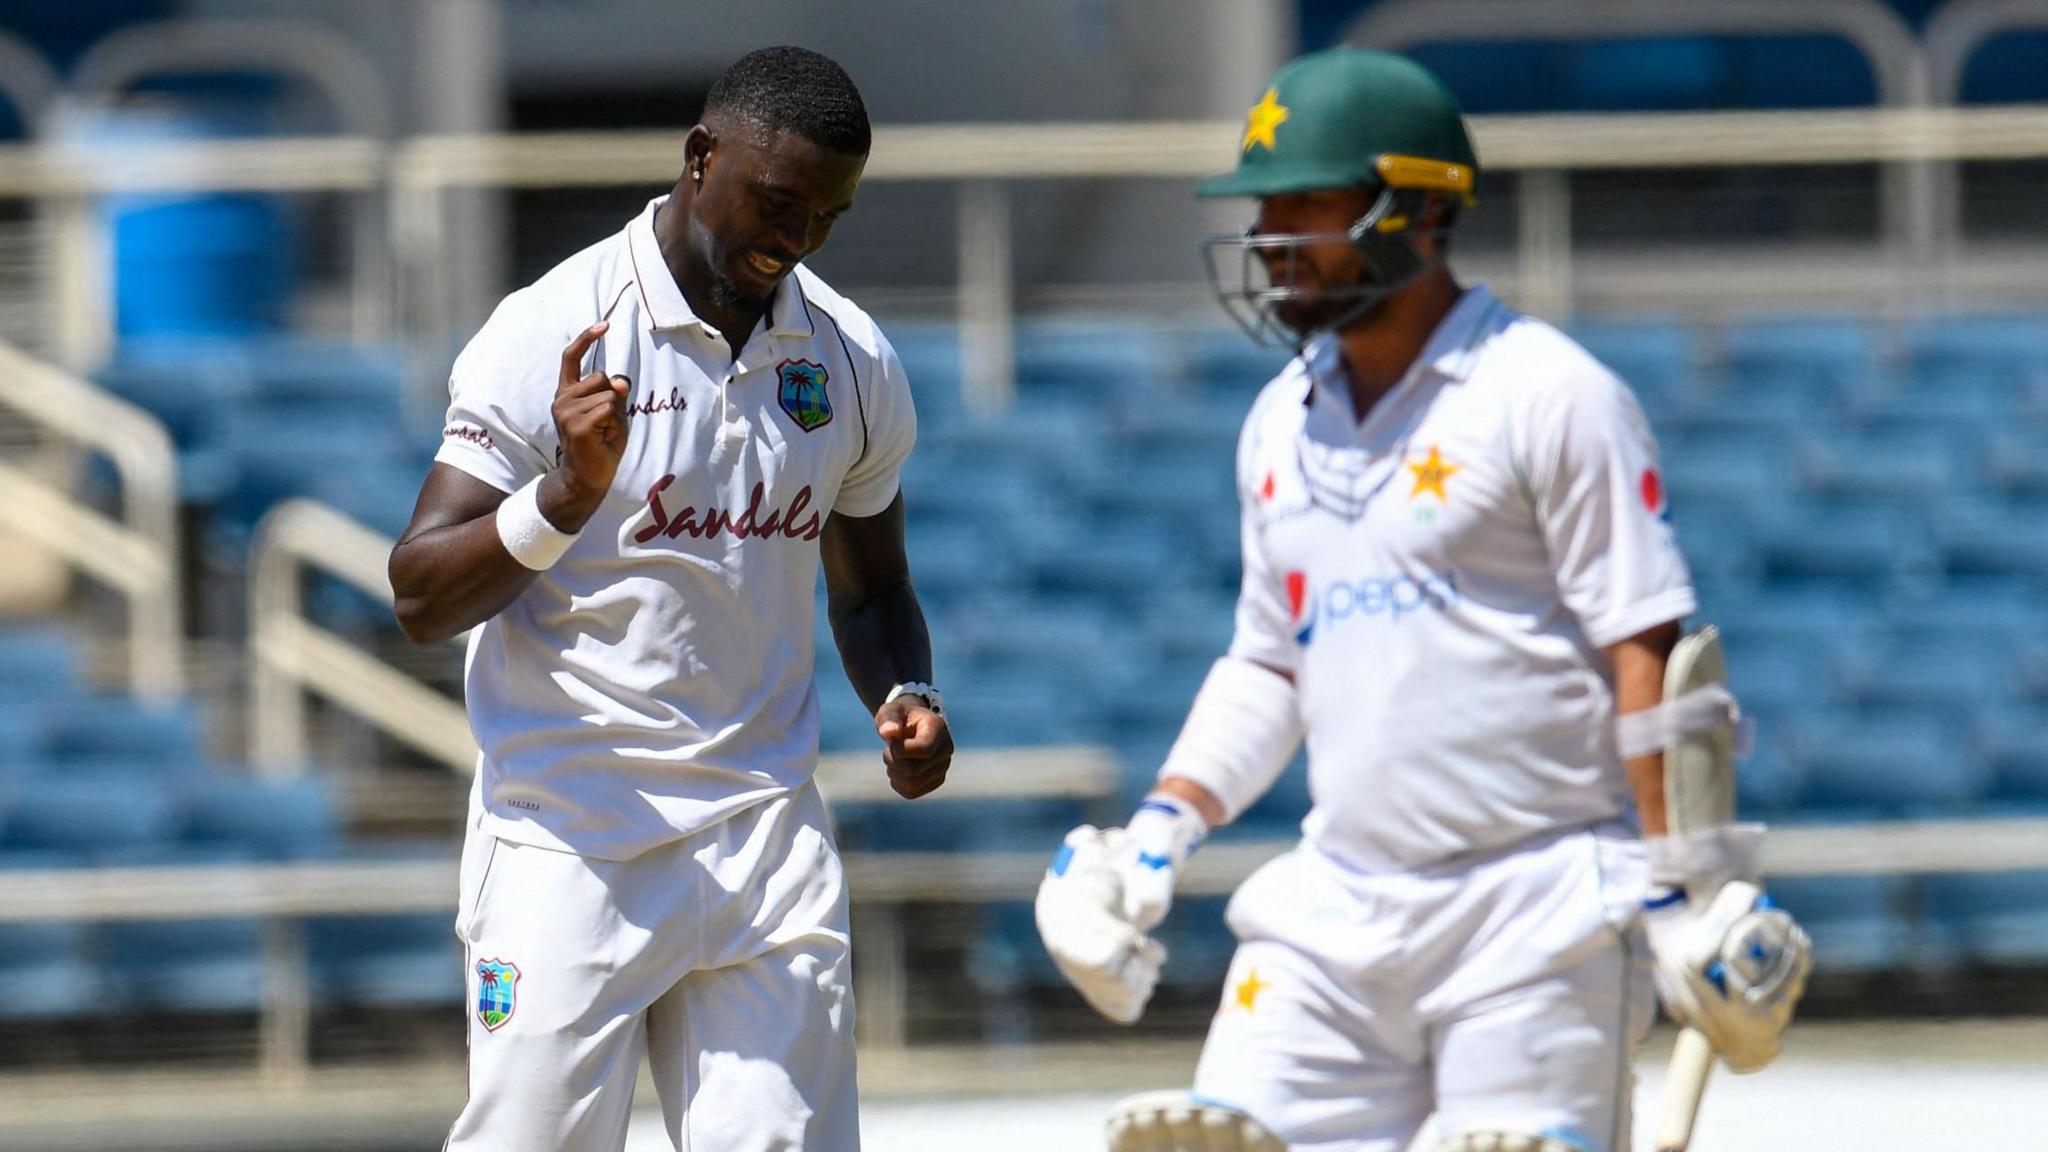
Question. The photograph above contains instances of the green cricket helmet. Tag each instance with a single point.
(1342, 118)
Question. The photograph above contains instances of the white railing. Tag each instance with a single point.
(291, 656)
(881, 883)
(136, 554)
(983, 160)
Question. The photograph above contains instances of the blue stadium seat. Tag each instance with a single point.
(1740, 472)
(1995, 542)
(1006, 708)
(1659, 360)
(844, 723)
(2000, 361)
(38, 664)
(1925, 466)
(408, 960)
(201, 966)
(187, 383)
(1866, 547)
(1104, 362)
(1804, 368)
(1224, 363)
(1995, 917)
(2015, 462)
(380, 498)
(2014, 742)
(269, 820)
(1945, 670)
(122, 727)
(386, 961)
(94, 815)
(1855, 921)
(46, 968)
(1898, 763)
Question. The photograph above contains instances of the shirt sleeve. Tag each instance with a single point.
(1599, 495)
(500, 427)
(1266, 599)
(889, 430)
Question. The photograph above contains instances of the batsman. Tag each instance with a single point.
(1462, 588)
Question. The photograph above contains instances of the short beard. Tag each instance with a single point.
(727, 295)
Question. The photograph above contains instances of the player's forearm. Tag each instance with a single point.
(448, 580)
(882, 640)
(1639, 685)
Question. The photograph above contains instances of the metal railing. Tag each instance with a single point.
(291, 656)
(882, 884)
(983, 160)
(136, 554)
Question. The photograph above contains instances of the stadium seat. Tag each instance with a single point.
(1864, 547)
(2014, 742)
(198, 966)
(37, 664)
(1923, 466)
(1899, 763)
(95, 815)
(122, 727)
(1993, 541)
(1995, 917)
(1225, 364)
(269, 820)
(1105, 363)
(411, 960)
(1658, 359)
(1805, 369)
(46, 968)
(1856, 922)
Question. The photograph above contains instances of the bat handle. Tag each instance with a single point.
(1692, 1061)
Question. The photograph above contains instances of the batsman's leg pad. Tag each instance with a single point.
(1174, 1121)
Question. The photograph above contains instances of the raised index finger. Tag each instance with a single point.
(572, 356)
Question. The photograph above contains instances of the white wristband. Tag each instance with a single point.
(526, 533)
(1240, 734)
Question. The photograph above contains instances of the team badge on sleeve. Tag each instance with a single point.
(801, 392)
(497, 991)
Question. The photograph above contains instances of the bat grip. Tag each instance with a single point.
(1692, 1061)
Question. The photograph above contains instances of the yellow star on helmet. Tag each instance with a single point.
(1268, 114)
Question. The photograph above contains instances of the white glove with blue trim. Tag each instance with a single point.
(1734, 967)
(1105, 890)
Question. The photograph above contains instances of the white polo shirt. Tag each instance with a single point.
(1441, 580)
(659, 677)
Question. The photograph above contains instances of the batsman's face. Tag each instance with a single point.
(764, 205)
(1325, 261)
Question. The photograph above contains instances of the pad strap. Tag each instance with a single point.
(1703, 711)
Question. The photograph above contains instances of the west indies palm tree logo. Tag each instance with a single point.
(801, 392)
(497, 984)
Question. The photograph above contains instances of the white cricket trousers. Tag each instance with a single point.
(1509, 992)
(722, 955)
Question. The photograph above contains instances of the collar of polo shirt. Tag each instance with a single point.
(1448, 354)
(662, 298)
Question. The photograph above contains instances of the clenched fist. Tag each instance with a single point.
(590, 424)
(917, 746)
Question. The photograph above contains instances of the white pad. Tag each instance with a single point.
(1479, 1140)
(1174, 1121)
(1240, 734)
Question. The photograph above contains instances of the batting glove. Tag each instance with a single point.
(1080, 914)
(1734, 967)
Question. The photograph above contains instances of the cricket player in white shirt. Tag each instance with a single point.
(1461, 587)
(649, 453)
